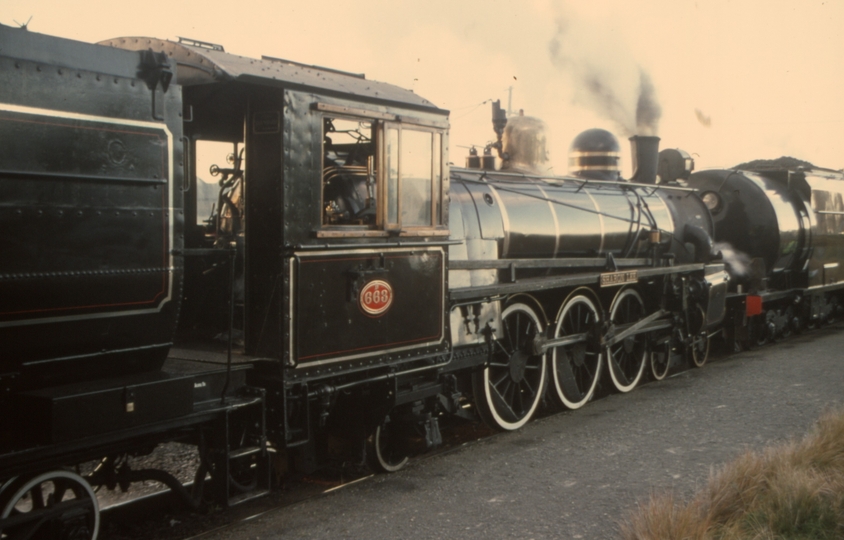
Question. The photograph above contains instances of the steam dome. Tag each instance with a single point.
(595, 154)
(524, 144)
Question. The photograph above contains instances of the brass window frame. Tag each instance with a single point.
(381, 122)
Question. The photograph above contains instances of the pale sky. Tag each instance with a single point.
(736, 80)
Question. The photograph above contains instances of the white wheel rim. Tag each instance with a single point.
(659, 376)
(620, 386)
(570, 403)
(490, 401)
(388, 467)
(46, 477)
(705, 353)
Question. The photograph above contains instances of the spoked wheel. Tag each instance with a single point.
(759, 330)
(795, 321)
(575, 367)
(833, 307)
(508, 392)
(627, 358)
(699, 342)
(789, 327)
(10, 482)
(660, 360)
(384, 449)
(52, 505)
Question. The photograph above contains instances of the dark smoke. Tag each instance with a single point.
(704, 120)
(607, 102)
(605, 78)
(648, 110)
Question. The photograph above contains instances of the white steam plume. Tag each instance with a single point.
(738, 262)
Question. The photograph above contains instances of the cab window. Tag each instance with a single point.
(414, 186)
(219, 189)
(349, 177)
(380, 175)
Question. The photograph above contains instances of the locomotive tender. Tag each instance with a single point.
(346, 284)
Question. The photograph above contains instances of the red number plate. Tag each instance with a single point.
(376, 297)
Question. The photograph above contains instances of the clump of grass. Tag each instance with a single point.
(793, 491)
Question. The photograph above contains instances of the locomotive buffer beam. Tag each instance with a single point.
(651, 323)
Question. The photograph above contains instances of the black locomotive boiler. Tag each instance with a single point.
(337, 282)
(602, 268)
(782, 224)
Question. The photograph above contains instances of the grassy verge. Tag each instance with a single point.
(793, 491)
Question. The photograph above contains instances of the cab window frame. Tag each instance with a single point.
(436, 178)
(381, 124)
(363, 229)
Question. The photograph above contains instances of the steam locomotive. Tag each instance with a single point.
(337, 283)
(782, 223)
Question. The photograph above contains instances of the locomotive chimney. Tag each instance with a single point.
(645, 155)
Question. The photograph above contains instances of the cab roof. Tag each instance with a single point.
(202, 63)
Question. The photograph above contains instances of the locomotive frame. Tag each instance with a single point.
(348, 285)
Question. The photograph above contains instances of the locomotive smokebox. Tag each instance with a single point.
(645, 154)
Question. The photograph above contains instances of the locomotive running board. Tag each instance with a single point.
(557, 282)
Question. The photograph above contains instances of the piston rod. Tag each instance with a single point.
(651, 323)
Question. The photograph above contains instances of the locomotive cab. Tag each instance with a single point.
(323, 220)
(318, 249)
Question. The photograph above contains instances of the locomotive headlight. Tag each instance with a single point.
(712, 201)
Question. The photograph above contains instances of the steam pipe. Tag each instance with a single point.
(704, 248)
